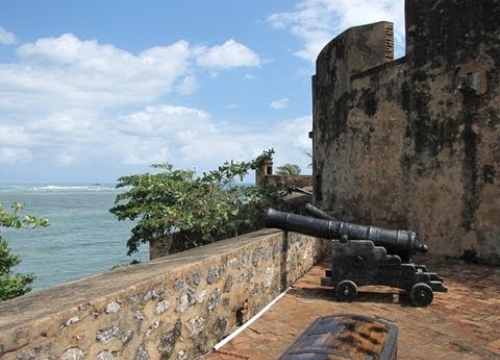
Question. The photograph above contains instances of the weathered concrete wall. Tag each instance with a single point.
(176, 307)
(415, 143)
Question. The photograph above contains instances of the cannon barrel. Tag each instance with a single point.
(317, 213)
(396, 242)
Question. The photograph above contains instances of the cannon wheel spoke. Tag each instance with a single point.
(421, 294)
(346, 291)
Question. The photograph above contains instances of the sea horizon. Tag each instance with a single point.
(83, 238)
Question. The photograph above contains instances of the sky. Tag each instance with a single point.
(91, 90)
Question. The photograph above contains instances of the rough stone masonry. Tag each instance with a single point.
(414, 143)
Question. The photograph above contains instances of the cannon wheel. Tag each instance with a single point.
(421, 294)
(346, 290)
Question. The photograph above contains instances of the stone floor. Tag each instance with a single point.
(463, 323)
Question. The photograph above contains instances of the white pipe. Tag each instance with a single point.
(249, 322)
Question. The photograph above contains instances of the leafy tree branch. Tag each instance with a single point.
(196, 209)
(11, 284)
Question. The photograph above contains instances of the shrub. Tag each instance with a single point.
(197, 209)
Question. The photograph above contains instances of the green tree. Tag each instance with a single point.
(267, 155)
(197, 209)
(288, 169)
(11, 284)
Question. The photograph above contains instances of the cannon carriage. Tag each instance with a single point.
(365, 255)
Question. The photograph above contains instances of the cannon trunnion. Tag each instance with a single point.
(364, 255)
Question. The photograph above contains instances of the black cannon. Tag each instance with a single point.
(365, 255)
(396, 242)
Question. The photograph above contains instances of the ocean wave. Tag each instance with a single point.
(58, 188)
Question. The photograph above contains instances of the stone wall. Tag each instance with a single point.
(176, 307)
(286, 181)
(415, 143)
(264, 177)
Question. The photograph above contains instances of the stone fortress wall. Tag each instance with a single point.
(415, 143)
(175, 307)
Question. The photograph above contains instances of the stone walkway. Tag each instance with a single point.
(461, 324)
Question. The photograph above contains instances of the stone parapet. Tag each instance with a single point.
(177, 307)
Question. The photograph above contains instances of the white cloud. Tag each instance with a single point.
(228, 55)
(183, 136)
(316, 22)
(144, 155)
(162, 133)
(14, 155)
(162, 120)
(13, 135)
(297, 129)
(188, 85)
(87, 74)
(279, 103)
(71, 103)
(65, 159)
(292, 142)
(187, 137)
(6, 37)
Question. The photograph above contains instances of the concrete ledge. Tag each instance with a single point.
(180, 305)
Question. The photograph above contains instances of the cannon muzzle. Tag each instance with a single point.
(396, 242)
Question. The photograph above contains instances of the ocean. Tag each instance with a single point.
(83, 238)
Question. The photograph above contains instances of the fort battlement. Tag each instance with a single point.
(414, 143)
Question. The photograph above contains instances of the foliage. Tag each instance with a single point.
(12, 285)
(288, 169)
(198, 209)
(267, 155)
(122, 266)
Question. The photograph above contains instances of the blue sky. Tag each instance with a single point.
(91, 90)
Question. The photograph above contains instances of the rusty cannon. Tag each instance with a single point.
(365, 255)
